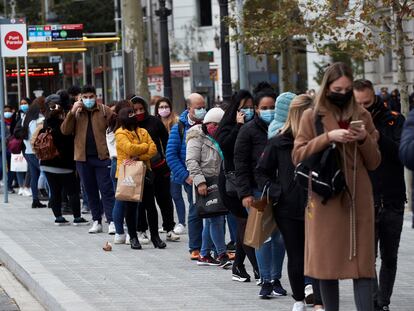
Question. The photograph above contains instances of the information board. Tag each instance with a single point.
(49, 33)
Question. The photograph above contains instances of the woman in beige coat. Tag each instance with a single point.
(340, 234)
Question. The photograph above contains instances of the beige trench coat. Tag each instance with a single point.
(338, 245)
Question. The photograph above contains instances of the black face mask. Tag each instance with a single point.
(339, 99)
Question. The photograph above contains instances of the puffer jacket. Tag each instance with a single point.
(176, 151)
(130, 144)
(203, 157)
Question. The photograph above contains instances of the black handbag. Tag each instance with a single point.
(231, 185)
(322, 172)
(210, 205)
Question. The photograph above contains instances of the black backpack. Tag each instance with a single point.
(322, 171)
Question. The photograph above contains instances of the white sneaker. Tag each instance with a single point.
(171, 236)
(179, 229)
(27, 192)
(96, 227)
(161, 230)
(111, 228)
(128, 239)
(20, 191)
(119, 238)
(309, 298)
(143, 238)
(299, 306)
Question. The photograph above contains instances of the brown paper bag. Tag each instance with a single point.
(131, 177)
(260, 225)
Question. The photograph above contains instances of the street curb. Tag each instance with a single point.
(41, 283)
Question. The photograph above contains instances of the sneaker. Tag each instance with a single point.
(299, 306)
(38, 204)
(80, 221)
(96, 227)
(385, 308)
(27, 192)
(179, 229)
(11, 191)
(127, 239)
(85, 209)
(61, 221)
(143, 238)
(162, 230)
(309, 294)
(225, 262)
(111, 228)
(240, 274)
(119, 238)
(257, 278)
(266, 292)
(207, 261)
(171, 236)
(20, 192)
(231, 247)
(195, 255)
(278, 290)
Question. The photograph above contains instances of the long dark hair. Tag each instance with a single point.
(124, 119)
(34, 111)
(229, 117)
(158, 103)
(113, 122)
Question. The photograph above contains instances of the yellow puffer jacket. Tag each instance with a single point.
(134, 145)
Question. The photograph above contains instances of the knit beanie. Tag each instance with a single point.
(281, 112)
(54, 98)
(214, 115)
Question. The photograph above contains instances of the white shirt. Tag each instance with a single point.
(32, 127)
(111, 143)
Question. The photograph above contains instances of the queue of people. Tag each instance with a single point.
(226, 161)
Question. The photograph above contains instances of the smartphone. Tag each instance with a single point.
(356, 124)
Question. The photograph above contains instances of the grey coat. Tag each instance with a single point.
(202, 157)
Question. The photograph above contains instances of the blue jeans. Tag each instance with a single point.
(118, 211)
(20, 178)
(232, 223)
(177, 195)
(195, 223)
(96, 179)
(34, 167)
(213, 233)
(270, 258)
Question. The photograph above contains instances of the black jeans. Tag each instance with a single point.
(58, 182)
(131, 211)
(293, 232)
(241, 249)
(147, 211)
(388, 226)
(164, 200)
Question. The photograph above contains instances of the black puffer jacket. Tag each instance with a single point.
(276, 167)
(63, 143)
(157, 131)
(226, 138)
(250, 144)
(388, 179)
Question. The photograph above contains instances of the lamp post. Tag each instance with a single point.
(163, 14)
(225, 51)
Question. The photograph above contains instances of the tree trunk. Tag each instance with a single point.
(288, 67)
(134, 42)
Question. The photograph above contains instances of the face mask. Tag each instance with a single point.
(339, 99)
(140, 116)
(248, 113)
(89, 103)
(24, 108)
(200, 113)
(212, 129)
(267, 115)
(164, 112)
(8, 115)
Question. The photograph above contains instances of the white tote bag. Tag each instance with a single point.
(18, 163)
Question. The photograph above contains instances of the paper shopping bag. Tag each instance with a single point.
(131, 177)
(18, 163)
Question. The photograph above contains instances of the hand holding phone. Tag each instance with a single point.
(356, 124)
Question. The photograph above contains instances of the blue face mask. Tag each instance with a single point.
(8, 115)
(267, 115)
(24, 108)
(200, 113)
(248, 113)
(89, 102)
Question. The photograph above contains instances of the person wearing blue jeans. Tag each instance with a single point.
(177, 195)
(118, 210)
(195, 223)
(34, 168)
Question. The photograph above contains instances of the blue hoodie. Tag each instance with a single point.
(176, 151)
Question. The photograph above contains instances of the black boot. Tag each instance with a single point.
(135, 244)
(158, 243)
(37, 204)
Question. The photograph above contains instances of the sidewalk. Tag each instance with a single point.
(65, 268)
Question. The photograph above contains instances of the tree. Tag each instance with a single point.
(134, 43)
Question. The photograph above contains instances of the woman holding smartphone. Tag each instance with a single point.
(346, 221)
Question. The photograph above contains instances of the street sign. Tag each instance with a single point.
(48, 33)
(13, 40)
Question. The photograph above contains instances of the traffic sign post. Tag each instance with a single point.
(13, 36)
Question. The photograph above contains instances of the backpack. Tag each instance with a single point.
(321, 172)
(44, 147)
(20, 132)
(181, 129)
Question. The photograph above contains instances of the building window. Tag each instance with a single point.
(387, 50)
(205, 15)
(206, 56)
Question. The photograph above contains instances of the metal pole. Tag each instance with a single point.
(26, 77)
(19, 87)
(163, 14)
(3, 93)
(84, 68)
(225, 52)
(105, 80)
(93, 66)
(243, 79)
(124, 80)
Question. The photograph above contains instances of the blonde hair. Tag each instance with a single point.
(298, 105)
(333, 73)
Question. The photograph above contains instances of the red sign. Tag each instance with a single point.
(13, 40)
